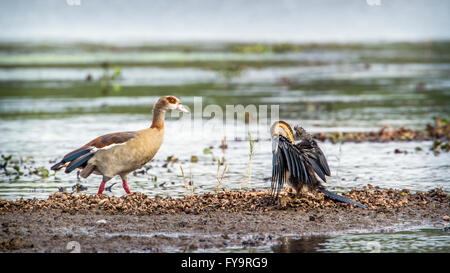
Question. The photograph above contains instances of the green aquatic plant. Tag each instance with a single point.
(78, 188)
(286, 47)
(170, 160)
(22, 167)
(252, 49)
(194, 159)
(6, 158)
(267, 48)
(188, 186)
(232, 71)
(228, 72)
(338, 137)
(440, 146)
(17, 169)
(43, 172)
(218, 176)
(110, 81)
(4, 163)
(248, 172)
(207, 151)
(444, 121)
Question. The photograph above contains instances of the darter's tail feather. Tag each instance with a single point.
(340, 198)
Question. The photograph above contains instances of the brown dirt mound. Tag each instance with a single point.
(440, 130)
(226, 201)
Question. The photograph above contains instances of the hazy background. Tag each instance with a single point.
(195, 20)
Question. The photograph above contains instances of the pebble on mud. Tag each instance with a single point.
(101, 222)
(15, 243)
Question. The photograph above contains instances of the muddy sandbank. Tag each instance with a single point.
(208, 222)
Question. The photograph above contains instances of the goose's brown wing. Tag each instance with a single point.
(81, 155)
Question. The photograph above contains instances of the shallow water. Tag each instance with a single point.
(47, 108)
(417, 240)
(352, 164)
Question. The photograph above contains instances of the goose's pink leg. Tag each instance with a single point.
(125, 186)
(102, 187)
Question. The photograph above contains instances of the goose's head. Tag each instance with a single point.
(169, 103)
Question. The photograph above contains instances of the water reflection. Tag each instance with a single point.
(409, 241)
(302, 245)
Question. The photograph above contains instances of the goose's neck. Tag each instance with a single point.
(158, 118)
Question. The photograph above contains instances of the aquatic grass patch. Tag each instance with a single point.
(441, 46)
(93, 90)
(248, 172)
(13, 169)
(220, 176)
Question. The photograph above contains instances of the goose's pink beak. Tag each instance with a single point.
(181, 108)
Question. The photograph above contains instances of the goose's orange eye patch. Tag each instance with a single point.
(172, 99)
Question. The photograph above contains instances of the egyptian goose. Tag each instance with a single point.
(121, 153)
(299, 163)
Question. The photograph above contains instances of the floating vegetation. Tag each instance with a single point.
(17, 168)
(6, 158)
(398, 151)
(207, 151)
(170, 160)
(42, 172)
(228, 72)
(79, 188)
(194, 159)
(252, 49)
(440, 146)
(109, 81)
(267, 48)
(4, 164)
(286, 47)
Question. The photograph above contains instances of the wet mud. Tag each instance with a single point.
(210, 222)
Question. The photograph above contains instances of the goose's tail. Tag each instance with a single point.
(340, 198)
